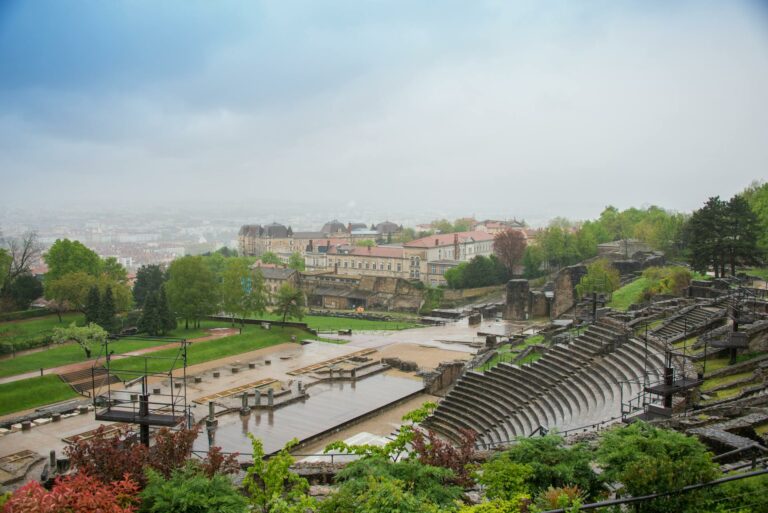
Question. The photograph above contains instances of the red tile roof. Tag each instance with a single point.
(447, 239)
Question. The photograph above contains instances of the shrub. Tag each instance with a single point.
(432, 450)
(189, 490)
(79, 492)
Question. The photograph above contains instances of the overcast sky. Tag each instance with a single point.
(529, 108)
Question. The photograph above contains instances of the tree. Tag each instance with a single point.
(150, 321)
(93, 305)
(532, 262)
(23, 253)
(188, 490)
(107, 311)
(79, 492)
(236, 282)
(24, 289)
(601, 277)
(296, 261)
(289, 302)
(165, 313)
(114, 270)
(644, 459)
(722, 234)
(269, 257)
(271, 486)
(756, 196)
(509, 246)
(192, 289)
(88, 337)
(256, 298)
(69, 291)
(149, 278)
(66, 256)
(551, 464)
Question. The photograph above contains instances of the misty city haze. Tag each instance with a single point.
(394, 110)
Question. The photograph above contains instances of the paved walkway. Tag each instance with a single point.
(72, 367)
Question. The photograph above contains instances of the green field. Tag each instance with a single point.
(629, 294)
(65, 354)
(252, 338)
(34, 392)
(322, 323)
(16, 332)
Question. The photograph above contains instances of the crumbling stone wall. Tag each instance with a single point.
(565, 289)
(446, 374)
(516, 308)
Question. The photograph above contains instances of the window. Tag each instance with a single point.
(389, 266)
(366, 265)
(399, 267)
(346, 264)
(381, 266)
(434, 269)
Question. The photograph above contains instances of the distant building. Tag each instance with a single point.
(429, 257)
(496, 227)
(276, 277)
(371, 261)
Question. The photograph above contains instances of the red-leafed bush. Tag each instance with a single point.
(109, 458)
(433, 450)
(80, 493)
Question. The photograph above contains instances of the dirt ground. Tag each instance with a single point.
(426, 357)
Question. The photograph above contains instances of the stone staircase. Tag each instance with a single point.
(688, 322)
(572, 385)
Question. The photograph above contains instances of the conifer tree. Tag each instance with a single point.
(107, 311)
(93, 306)
(149, 322)
(166, 316)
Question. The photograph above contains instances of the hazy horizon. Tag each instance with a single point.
(532, 110)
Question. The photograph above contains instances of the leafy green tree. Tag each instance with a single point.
(405, 235)
(271, 486)
(66, 256)
(192, 289)
(296, 261)
(236, 280)
(756, 196)
(24, 289)
(743, 230)
(188, 490)
(88, 337)
(256, 297)
(69, 291)
(149, 278)
(673, 280)
(601, 277)
(509, 246)
(533, 258)
(289, 302)
(442, 226)
(481, 271)
(644, 459)
(269, 257)
(114, 270)
(505, 478)
(364, 243)
(93, 305)
(551, 462)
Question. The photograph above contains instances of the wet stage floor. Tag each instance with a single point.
(328, 405)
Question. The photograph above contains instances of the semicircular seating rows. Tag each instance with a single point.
(575, 384)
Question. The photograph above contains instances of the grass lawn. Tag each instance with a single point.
(72, 353)
(532, 357)
(34, 392)
(17, 331)
(760, 272)
(628, 294)
(253, 338)
(714, 364)
(322, 323)
(716, 382)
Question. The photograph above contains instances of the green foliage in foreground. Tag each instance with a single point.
(30, 333)
(646, 459)
(378, 482)
(34, 392)
(188, 490)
